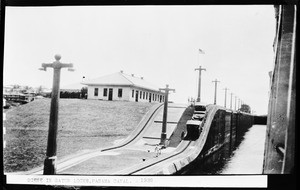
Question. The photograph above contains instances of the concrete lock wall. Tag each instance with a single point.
(222, 132)
(227, 127)
(280, 137)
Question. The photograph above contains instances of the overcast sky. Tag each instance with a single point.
(159, 43)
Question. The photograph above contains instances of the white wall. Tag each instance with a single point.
(146, 97)
(126, 94)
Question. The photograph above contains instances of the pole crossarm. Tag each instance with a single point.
(200, 69)
(167, 89)
(57, 64)
(215, 81)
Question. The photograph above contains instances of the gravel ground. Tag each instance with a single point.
(83, 125)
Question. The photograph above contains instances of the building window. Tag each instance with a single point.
(105, 92)
(143, 95)
(140, 94)
(153, 97)
(132, 93)
(146, 95)
(120, 92)
(96, 92)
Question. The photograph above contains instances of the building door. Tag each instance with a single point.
(150, 97)
(110, 94)
(136, 96)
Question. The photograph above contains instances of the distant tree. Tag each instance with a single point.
(84, 92)
(48, 95)
(39, 90)
(16, 86)
(245, 108)
(25, 89)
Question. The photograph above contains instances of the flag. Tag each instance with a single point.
(201, 51)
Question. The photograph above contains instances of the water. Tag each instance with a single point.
(248, 157)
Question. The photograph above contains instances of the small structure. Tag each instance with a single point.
(123, 87)
(19, 97)
(75, 90)
(75, 87)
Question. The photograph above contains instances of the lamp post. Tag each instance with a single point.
(199, 82)
(215, 99)
(231, 100)
(164, 124)
(225, 96)
(50, 161)
(235, 103)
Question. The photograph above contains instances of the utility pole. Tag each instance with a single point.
(225, 96)
(215, 99)
(239, 105)
(235, 103)
(231, 100)
(199, 82)
(164, 124)
(50, 161)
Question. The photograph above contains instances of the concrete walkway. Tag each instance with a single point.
(248, 157)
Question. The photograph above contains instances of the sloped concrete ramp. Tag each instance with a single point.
(139, 148)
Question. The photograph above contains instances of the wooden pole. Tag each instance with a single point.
(231, 100)
(165, 115)
(50, 161)
(225, 96)
(215, 98)
(199, 82)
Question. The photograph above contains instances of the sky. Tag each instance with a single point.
(159, 43)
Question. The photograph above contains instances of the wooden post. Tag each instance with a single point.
(225, 96)
(199, 83)
(215, 99)
(235, 103)
(231, 100)
(164, 124)
(50, 161)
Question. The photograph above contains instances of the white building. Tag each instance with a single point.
(123, 87)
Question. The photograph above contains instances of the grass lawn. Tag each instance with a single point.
(82, 125)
